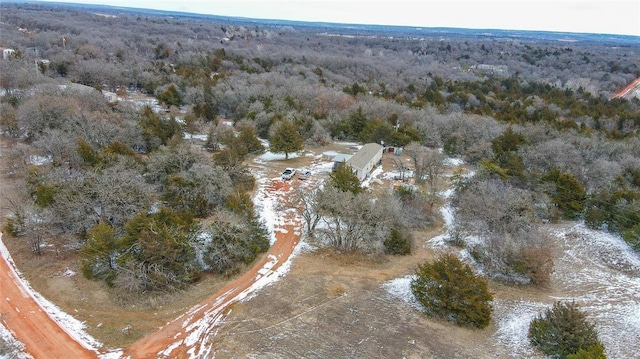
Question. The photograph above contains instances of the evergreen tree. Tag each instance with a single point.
(508, 141)
(171, 96)
(563, 332)
(449, 289)
(88, 154)
(100, 252)
(157, 131)
(286, 138)
(345, 180)
(248, 137)
(397, 243)
(159, 250)
(568, 195)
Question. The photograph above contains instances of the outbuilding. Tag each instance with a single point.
(363, 162)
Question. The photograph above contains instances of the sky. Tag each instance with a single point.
(620, 17)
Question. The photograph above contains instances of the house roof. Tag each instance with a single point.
(341, 157)
(366, 153)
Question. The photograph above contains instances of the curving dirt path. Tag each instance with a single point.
(189, 335)
(41, 335)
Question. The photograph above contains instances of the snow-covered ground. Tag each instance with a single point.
(596, 269)
(401, 288)
(270, 156)
(601, 273)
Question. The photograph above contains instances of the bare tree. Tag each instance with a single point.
(399, 165)
(428, 164)
(432, 165)
(353, 222)
(507, 221)
(311, 207)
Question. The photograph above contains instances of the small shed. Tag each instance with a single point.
(365, 160)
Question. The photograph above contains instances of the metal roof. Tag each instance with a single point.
(365, 155)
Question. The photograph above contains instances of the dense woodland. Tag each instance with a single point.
(535, 117)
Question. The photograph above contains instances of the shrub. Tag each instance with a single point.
(397, 243)
(45, 195)
(595, 351)
(563, 332)
(539, 264)
(449, 289)
(11, 228)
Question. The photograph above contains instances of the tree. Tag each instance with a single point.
(310, 203)
(89, 155)
(171, 96)
(100, 252)
(157, 131)
(428, 164)
(506, 218)
(508, 141)
(398, 242)
(595, 351)
(232, 240)
(286, 138)
(345, 180)
(200, 189)
(568, 195)
(244, 142)
(159, 252)
(449, 289)
(353, 222)
(563, 332)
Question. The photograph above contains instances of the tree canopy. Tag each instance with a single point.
(286, 138)
(448, 289)
(563, 332)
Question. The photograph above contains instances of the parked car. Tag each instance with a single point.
(304, 175)
(288, 173)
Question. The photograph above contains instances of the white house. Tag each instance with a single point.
(363, 162)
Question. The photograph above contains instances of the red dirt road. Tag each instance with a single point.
(187, 336)
(625, 90)
(30, 324)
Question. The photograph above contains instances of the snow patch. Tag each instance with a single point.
(190, 136)
(270, 156)
(68, 272)
(372, 176)
(401, 289)
(453, 162)
(12, 347)
(512, 320)
(37, 160)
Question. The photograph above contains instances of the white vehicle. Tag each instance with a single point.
(304, 175)
(288, 173)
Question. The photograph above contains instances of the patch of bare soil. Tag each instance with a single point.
(332, 306)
